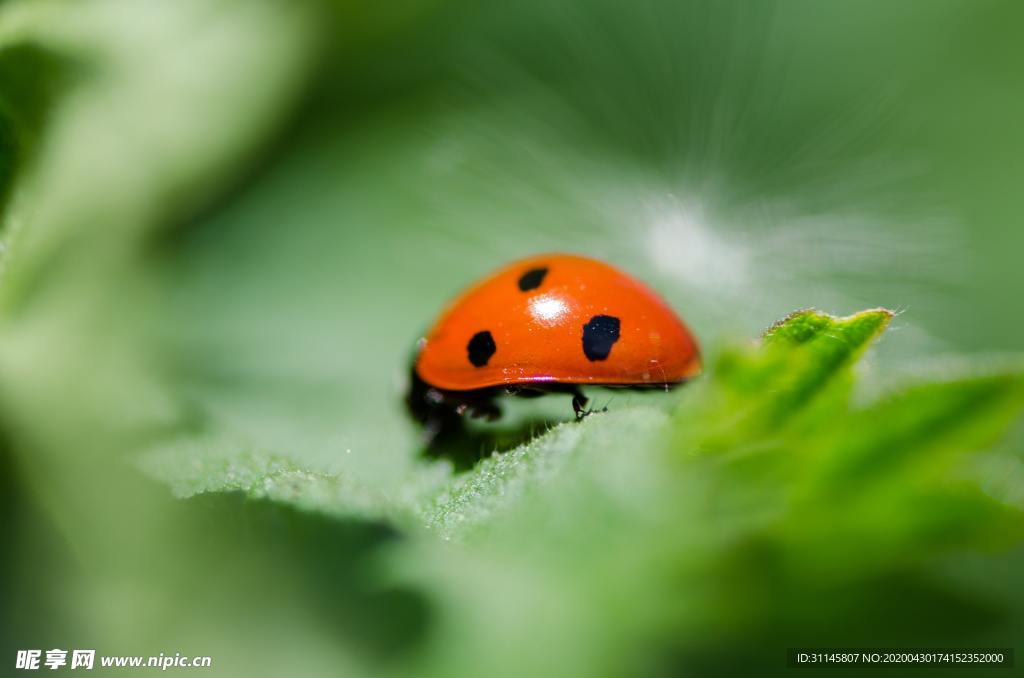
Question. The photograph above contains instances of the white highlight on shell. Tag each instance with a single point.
(547, 309)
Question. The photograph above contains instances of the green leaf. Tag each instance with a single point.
(919, 428)
(756, 392)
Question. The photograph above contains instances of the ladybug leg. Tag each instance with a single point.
(579, 402)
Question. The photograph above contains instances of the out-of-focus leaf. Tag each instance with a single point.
(31, 78)
(122, 119)
(150, 112)
(139, 130)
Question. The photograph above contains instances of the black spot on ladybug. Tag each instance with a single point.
(532, 279)
(481, 347)
(599, 335)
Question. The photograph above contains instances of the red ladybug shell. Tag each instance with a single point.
(557, 318)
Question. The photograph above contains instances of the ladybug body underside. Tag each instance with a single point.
(441, 411)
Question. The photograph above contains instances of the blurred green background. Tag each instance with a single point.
(226, 222)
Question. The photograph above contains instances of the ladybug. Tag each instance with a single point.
(549, 323)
